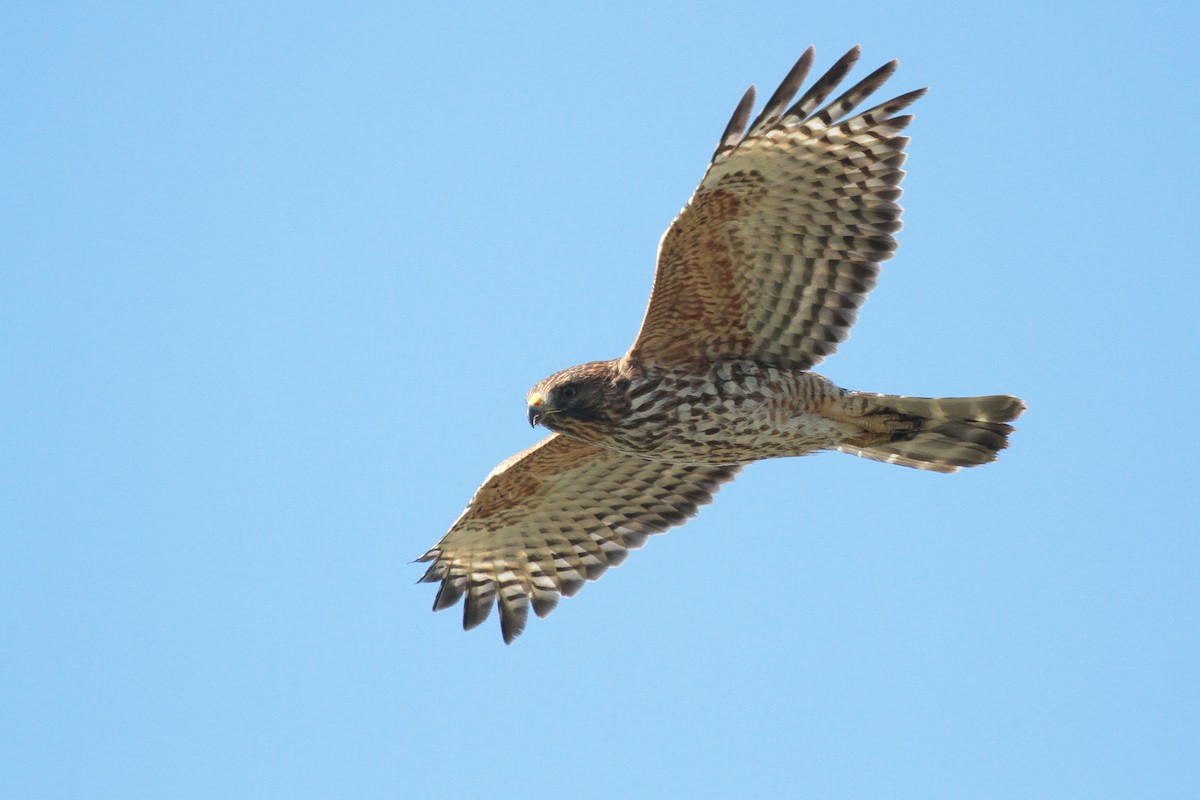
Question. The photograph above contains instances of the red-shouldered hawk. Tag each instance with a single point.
(759, 278)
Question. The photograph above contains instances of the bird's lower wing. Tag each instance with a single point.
(554, 516)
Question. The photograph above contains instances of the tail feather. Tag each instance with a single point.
(942, 434)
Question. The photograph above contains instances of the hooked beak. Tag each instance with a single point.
(536, 402)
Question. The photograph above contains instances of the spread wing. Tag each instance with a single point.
(553, 516)
(783, 239)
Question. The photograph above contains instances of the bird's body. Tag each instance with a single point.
(737, 410)
(731, 411)
(759, 279)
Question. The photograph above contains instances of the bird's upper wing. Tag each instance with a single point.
(783, 239)
(553, 516)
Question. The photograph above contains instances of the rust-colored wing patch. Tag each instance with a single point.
(783, 239)
(554, 516)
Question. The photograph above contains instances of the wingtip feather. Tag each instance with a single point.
(737, 123)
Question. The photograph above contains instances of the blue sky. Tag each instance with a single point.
(278, 276)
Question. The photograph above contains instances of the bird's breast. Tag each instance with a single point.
(735, 411)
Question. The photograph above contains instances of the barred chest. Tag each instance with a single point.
(738, 411)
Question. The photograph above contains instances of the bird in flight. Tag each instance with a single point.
(759, 278)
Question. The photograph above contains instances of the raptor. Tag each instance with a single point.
(759, 278)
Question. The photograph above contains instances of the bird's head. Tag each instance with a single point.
(581, 401)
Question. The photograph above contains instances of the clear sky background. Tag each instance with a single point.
(277, 277)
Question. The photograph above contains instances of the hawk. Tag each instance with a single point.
(758, 279)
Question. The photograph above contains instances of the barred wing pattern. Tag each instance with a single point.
(783, 239)
(554, 516)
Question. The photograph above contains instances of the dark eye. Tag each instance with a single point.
(568, 392)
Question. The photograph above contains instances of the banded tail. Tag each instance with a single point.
(942, 434)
